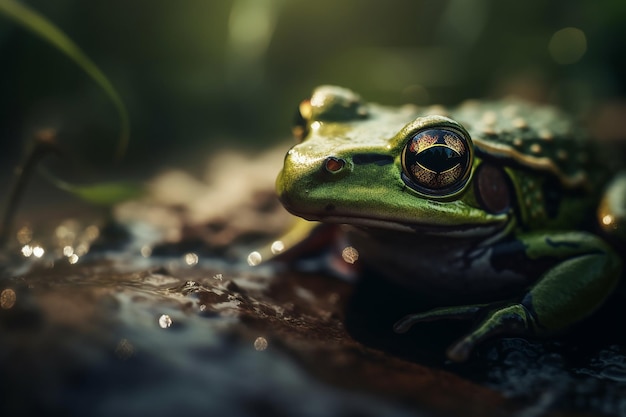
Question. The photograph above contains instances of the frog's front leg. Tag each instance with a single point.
(584, 273)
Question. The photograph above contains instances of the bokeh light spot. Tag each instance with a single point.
(260, 344)
(7, 299)
(350, 255)
(568, 45)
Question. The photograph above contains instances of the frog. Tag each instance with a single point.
(502, 212)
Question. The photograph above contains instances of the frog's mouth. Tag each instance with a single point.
(463, 230)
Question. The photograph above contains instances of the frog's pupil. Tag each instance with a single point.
(437, 161)
(438, 158)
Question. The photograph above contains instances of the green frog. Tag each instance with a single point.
(489, 208)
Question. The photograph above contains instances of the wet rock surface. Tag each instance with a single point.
(158, 313)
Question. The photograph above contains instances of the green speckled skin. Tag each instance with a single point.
(535, 258)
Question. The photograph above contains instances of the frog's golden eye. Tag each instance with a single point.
(300, 127)
(437, 161)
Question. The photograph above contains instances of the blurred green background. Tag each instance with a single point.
(198, 75)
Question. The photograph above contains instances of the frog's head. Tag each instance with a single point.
(372, 166)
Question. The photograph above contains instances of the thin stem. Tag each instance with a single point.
(44, 143)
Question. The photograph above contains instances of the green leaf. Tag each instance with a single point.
(40, 26)
(108, 193)
(102, 194)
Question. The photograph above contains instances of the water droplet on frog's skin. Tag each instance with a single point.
(535, 148)
(165, 321)
(260, 344)
(520, 123)
(546, 135)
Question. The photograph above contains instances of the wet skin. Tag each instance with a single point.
(485, 208)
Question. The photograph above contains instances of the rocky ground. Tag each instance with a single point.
(156, 311)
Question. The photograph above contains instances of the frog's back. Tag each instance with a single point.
(537, 137)
(556, 169)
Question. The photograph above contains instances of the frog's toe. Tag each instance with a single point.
(513, 319)
(510, 320)
(445, 313)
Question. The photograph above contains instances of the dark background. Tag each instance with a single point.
(200, 75)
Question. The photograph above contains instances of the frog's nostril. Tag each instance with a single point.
(334, 165)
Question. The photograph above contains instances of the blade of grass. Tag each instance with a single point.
(40, 26)
(105, 194)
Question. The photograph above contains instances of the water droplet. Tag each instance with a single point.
(73, 258)
(535, 148)
(191, 259)
(68, 251)
(254, 258)
(607, 220)
(277, 247)
(165, 321)
(38, 251)
(260, 344)
(7, 299)
(350, 254)
(27, 250)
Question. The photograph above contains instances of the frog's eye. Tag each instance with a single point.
(301, 121)
(437, 161)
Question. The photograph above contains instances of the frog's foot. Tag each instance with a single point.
(511, 319)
